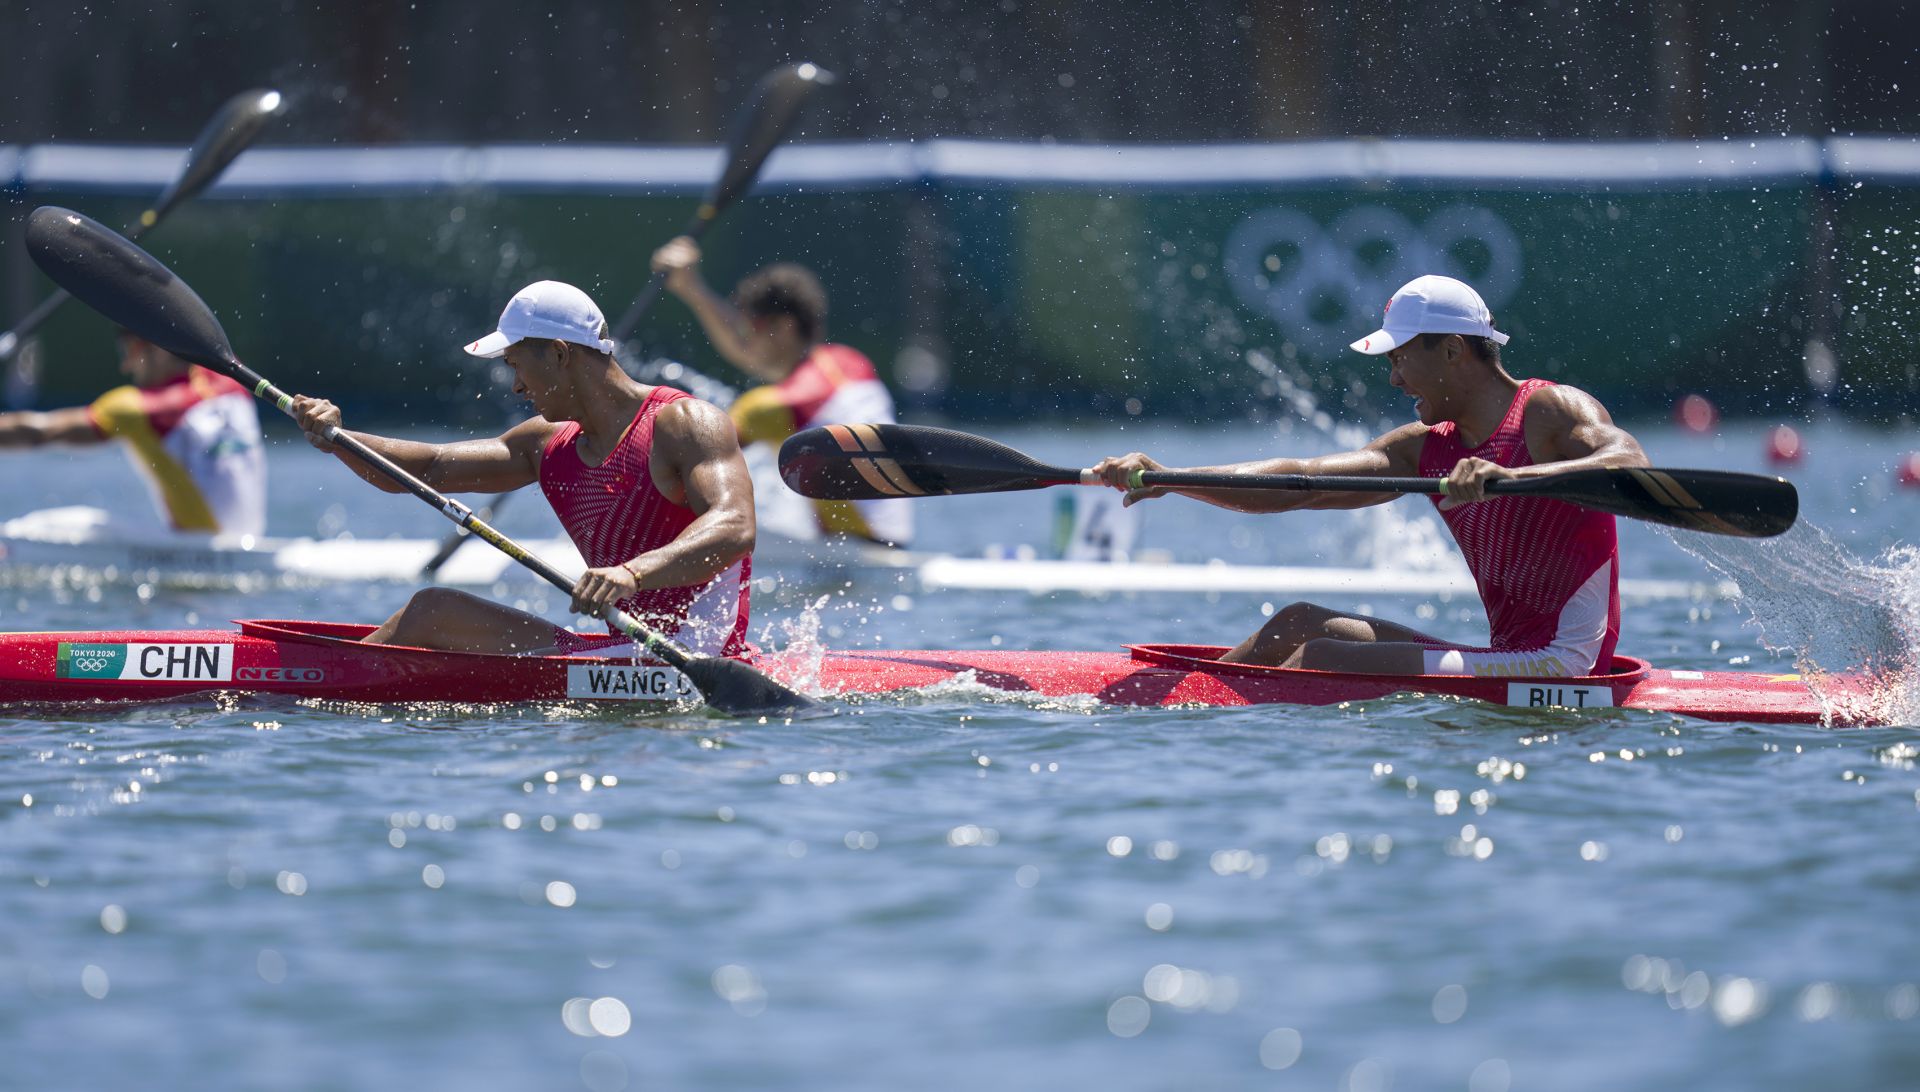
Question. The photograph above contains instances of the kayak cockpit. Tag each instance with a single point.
(277, 629)
(1623, 671)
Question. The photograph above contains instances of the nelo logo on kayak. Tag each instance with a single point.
(628, 683)
(144, 662)
(279, 674)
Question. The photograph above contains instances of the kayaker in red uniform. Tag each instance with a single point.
(1547, 571)
(775, 329)
(648, 482)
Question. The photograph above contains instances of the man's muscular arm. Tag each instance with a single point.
(492, 465)
(1567, 429)
(726, 327)
(1572, 429)
(1397, 454)
(62, 426)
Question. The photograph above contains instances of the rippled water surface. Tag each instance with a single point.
(962, 889)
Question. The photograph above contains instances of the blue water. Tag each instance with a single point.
(958, 889)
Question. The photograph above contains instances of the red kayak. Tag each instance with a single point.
(326, 660)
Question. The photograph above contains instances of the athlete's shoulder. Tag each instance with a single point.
(530, 439)
(687, 417)
(119, 396)
(538, 426)
(1403, 446)
(1412, 433)
(764, 414)
(1568, 423)
(113, 411)
(1560, 404)
(758, 399)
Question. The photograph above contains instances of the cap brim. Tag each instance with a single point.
(492, 345)
(1380, 341)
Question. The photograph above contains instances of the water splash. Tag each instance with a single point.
(1851, 626)
(1399, 538)
(1288, 387)
(1390, 536)
(965, 690)
(795, 652)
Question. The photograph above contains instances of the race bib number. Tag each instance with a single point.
(144, 662)
(1093, 525)
(1555, 695)
(628, 683)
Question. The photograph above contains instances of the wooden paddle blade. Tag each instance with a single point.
(873, 462)
(1717, 502)
(109, 273)
(228, 133)
(738, 690)
(770, 113)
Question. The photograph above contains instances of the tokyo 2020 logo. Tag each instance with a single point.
(1325, 285)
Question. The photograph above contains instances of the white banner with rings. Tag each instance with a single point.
(1326, 286)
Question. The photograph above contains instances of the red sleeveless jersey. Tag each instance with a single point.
(1528, 555)
(614, 513)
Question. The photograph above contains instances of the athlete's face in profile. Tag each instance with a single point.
(1417, 371)
(1426, 374)
(540, 376)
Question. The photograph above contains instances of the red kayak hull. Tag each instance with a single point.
(325, 660)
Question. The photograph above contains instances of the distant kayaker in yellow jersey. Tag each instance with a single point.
(775, 329)
(191, 433)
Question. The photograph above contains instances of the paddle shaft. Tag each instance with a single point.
(462, 515)
(1298, 483)
(1686, 513)
(452, 543)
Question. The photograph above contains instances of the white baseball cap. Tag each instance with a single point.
(549, 309)
(1431, 305)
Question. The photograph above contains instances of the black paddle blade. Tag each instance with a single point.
(1717, 502)
(739, 690)
(871, 462)
(769, 114)
(112, 275)
(228, 133)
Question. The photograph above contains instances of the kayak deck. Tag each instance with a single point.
(1192, 675)
(326, 660)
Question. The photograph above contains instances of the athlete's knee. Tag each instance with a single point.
(430, 602)
(430, 610)
(1297, 622)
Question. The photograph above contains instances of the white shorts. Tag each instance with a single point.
(1577, 640)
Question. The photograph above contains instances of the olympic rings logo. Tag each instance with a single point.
(1326, 286)
(92, 663)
